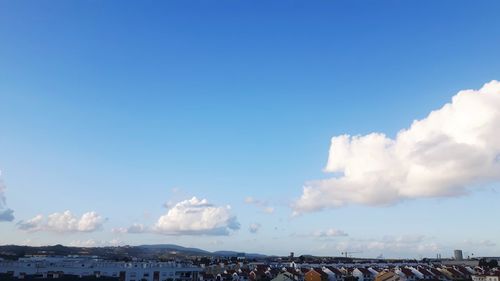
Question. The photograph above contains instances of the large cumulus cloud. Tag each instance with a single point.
(449, 153)
(196, 216)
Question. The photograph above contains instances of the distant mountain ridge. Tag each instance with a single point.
(173, 247)
(117, 252)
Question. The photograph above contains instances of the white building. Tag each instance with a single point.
(124, 271)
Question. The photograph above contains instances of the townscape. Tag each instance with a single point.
(239, 267)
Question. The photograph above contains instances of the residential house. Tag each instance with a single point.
(407, 274)
(334, 274)
(316, 274)
(363, 274)
(284, 276)
(388, 276)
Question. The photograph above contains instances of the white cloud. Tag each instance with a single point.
(195, 216)
(263, 205)
(135, 228)
(250, 200)
(450, 152)
(254, 227)
(268, 210)
(479, 244)
(393, 245)
(6, 214)
(31, 225)
(332, 232)
(85, 243)
(63, 223)
(323, 234)
(95, 243)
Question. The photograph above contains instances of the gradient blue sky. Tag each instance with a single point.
(118, 107)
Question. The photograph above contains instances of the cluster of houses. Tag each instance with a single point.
(102, 270)
(376, 272)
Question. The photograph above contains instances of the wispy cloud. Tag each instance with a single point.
(95, 243)
(134, 228)
(328, 233)
(479, 244)
(332, 232)
(263, 205)
(254, 228)
(402, 245)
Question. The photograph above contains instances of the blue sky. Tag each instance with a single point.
(126, 109)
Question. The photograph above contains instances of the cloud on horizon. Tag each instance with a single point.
(134, 228)
(403, 244)
(329, 233)
(64, 222)
(449, 153)
(95, 243)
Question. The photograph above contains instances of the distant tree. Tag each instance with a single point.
(301, 259)
(490, 264)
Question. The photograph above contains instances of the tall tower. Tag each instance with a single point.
(458, 255)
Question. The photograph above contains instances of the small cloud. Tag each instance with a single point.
(479, 244)
(263, 205)
(254, 227)
(115, 242)
(85, 243)
(135, 228)
(400, 245)
(250, 200)
(268, 210)
(330, 233)
(95, 243)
